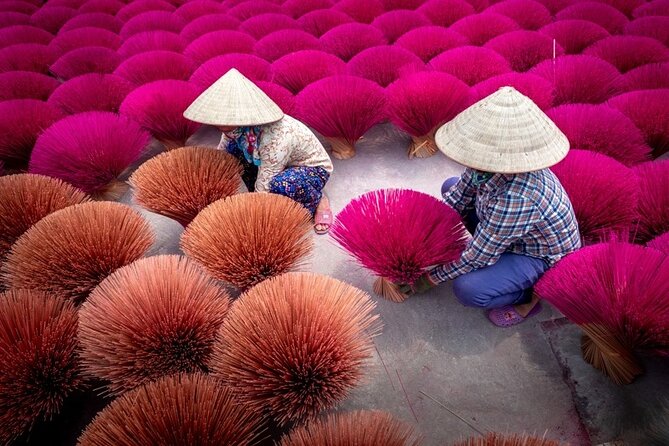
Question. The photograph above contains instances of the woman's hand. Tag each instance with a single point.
(423, 284)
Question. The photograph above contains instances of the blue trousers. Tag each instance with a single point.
(507, 282)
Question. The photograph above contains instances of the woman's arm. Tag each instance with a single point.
(461, 196)
(273, 154)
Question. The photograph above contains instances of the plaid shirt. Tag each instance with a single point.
(527, 213)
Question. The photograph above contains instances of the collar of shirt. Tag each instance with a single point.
(496, 182)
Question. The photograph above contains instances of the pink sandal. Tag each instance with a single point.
(323, 218)
(507, 316)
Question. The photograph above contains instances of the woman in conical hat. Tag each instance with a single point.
(279, 154)
(520, 217)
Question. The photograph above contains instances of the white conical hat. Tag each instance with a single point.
(233, 100)
(504, 133)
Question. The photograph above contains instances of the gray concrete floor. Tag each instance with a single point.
(439, 365)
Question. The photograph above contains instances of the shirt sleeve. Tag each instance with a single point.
(507, 220)
(461, 196)
(273, 153)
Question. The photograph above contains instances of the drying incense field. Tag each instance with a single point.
(145, 299)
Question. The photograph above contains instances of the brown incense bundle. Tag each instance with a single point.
(360, 428)
(295, 345)
(69, 252)
(247, 238)
(155, 317)
(495, 439)
(176, 410)
(182, 182)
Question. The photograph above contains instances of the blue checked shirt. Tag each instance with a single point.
(527, 213)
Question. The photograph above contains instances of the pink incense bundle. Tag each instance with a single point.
(392, 5)
(198, 8)
(419, 103)
(395, 23)
(575, 35)
(26, 85)
(11, 18)
(137, 7)
(107, 6)
(179, 184)
(91, 92)
(295, 345)
(427, 42)
(622, 307)
(661, 243)
(152, 41)
(384, 64)
(151, 66)
(580, 79)
(534, 87)
(653, 204)
(84, 37)
(524, 49)
(646, 77)
(627, 7)
(418, 230)
(280, 95)
(342, 108)
(209, 23)
(247, 9)
(39, 367)
(64, 151)
(529, 14)
(217, 43)
(628, 52)
(251, 66)
(21, 122)
(446, 12)
(298, 8)
(180, 409)
(91, 59)
(27, 57)
(280, 43)
(98, 20)
(655, 27)
(158, 107)
(155, 317)
(52, 18)
(301, 68)
(19, 6)
(322, 20)
(152, 21)
(471, 64)
(360, 427)
(261, 25)
(362, 12)
(602, 14)
(345, 41)
(68, 253)
(14, 35)
(602, 129)
(603, 192)
(479, 28)
(652, 8)
(646, 109)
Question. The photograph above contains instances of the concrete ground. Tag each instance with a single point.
(444, 367)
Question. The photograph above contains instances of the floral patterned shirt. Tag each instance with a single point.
(287, 143)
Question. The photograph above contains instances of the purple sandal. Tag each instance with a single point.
(507, 316)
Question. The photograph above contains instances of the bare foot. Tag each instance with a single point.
(323, 206)
(524, 309)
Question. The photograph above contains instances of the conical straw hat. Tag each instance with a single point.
(504, 133)
(233, 100)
